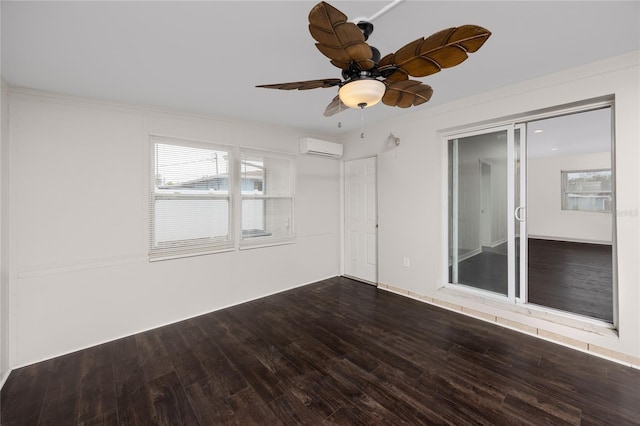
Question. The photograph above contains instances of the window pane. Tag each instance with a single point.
(188, 168)
(191, 206)
(267, 190)
(263, 175)
(177, 220)
(269, 217)
(252, 175)
(587, 190)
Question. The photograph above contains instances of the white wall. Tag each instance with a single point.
(412, 222)
(4, 218)
(545, 217)
(79, 235)
(4, 232)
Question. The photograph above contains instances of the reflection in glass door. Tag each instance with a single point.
(480, 227)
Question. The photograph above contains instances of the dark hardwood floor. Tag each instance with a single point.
(333, 352)
(486, 270)
(572, 277)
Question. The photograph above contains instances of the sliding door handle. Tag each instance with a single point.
(516, 213)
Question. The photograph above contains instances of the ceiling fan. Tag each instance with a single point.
(366, 77)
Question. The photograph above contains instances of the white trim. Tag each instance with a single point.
(511, 208)
(188, 142)
(455, 256)
(342, 225)
(570, 240)
(497, 243)
(523, 255)
(469, 254)
(444, 202)
(4, 378)
(182, 255)
(535, 115)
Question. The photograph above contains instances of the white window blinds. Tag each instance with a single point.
(191, 199)
(267, 193)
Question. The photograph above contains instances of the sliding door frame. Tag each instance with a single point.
(455, 137)
(511, 124)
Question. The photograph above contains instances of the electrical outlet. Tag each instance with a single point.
(405, 262)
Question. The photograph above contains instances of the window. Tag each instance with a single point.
(267, 193)
(587, 190)
(192, 205)
(203, 195)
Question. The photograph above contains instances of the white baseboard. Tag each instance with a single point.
(570, 240)
(4, 378)
(469, 255)
(497, 243)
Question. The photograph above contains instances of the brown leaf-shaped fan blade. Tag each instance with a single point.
(389, 61)
(339, 40)
(444, 49)
(406, 93)
(303, 85)
(335, 107)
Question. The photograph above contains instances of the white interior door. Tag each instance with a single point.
(361, 220)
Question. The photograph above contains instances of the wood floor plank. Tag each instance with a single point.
(170, 402)
(22, 397)
(152, 355)
(106, 419)
(333, 352)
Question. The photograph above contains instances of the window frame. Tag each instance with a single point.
(250, 242)
(190, 247)
(235, 240)
(564, 176)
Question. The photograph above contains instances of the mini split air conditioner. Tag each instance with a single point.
(322, 148)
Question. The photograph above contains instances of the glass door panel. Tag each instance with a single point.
(480, 220)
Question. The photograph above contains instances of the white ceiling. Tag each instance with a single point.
(207, 56)
(574, 134)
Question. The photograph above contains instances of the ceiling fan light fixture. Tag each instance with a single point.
(362, 93)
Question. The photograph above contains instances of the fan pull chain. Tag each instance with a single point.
(362, 123)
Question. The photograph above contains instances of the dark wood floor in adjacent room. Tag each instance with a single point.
(564, 275)
(333, 352)
(572, 277)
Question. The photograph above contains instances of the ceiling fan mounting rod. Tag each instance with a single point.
(379, 13)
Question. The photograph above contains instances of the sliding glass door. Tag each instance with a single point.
(478, 199)
(524, 198)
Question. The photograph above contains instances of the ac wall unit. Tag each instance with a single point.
(318, 147)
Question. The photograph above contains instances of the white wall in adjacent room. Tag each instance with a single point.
(545, 217)
(80, 225)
